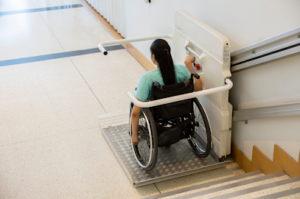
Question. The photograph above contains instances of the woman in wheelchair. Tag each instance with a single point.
(148, 124)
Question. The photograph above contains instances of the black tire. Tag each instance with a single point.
(145, 155)
(200, 139)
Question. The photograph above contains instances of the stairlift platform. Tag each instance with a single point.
(175, 161)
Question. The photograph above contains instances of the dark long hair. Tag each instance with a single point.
(162, 52)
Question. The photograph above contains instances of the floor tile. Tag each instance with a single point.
(73, 165)
(79, 38)
(69, 18)
(110, 77)
(26, 35)
(45, 98)
(76, 29)
(39, 77)
(11, 5)
(45, 3)
(41, 115)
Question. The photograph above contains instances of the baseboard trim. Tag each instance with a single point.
(281, 161)
(129, 47)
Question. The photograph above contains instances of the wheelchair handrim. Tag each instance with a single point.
(151, 146)
(198, 143)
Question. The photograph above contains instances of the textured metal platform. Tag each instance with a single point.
(172, 162)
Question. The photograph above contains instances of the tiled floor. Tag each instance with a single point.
(51, 145)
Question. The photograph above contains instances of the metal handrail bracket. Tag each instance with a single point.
(122, 41)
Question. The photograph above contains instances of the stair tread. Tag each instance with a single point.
(268, 191)
(212, 192)
(293, 193)
(258, 188)
(208, 184)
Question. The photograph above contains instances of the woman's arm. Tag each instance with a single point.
(135, 115)
(189, 64)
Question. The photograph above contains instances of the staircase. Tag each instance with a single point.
(249, 185)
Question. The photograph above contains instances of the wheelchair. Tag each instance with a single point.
(165, 125)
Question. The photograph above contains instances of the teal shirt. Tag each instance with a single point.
(144, 87)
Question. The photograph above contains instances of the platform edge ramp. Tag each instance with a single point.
(118, 157)
(114, 119)
(178, 175)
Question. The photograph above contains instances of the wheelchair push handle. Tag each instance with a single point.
(195, 75)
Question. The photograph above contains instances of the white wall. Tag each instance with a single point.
(270, 84)
(258, 86)
(243, 22)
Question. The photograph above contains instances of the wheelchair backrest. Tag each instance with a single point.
(175, 109)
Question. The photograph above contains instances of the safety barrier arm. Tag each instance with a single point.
(121, 41)
(177, 98)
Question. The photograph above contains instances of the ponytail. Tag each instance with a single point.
(162, 52)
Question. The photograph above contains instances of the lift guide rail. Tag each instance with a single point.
(212, 52)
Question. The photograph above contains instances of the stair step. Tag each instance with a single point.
(275, 189)
(213, 192)
(219, 182)
(293, 193)
(254, 190)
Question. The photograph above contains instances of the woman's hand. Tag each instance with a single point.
(135, 139)
(189, 59)
(189, 65)
(135, 115)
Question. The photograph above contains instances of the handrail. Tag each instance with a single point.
(180, 97)
(121, 41)
(267, 112)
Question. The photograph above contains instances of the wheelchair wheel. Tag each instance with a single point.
(146, 151)
(200, 138)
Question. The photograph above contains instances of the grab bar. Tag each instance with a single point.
(177, 98)
(200, 57)
(121, 41)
